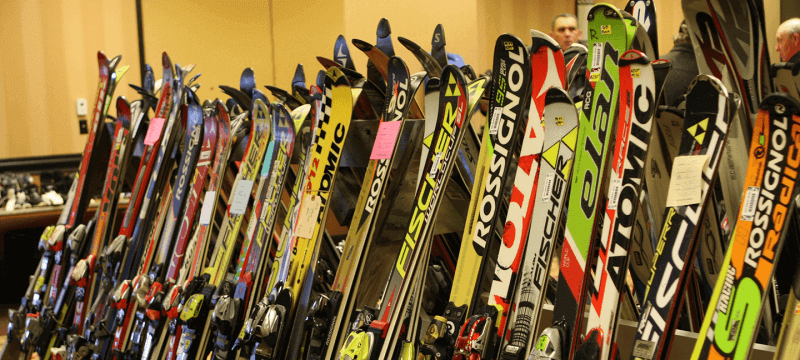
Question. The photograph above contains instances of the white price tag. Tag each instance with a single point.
(241, 197)
(435, 165)
(497, 115)
(547, 192)
(750, 201)
(686, 182)
(208, 208)
(613, 197)
(307, 218)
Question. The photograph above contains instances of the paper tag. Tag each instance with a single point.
(750, 201)
(241, 197)
(686, 182)
(643, 349)
(154, 131)
(635, 73)
(385, 140)
(548, 187)
(208, 208)
(435, 165)
(494, 126)
(597, 56)
(307, 218)
(613, 197)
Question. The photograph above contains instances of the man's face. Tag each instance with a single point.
(787, 45)
(566, 32)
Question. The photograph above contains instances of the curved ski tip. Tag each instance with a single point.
(247, 73)
(633, 56)
(709, 79)
(410, 45)
(327, 63)
(165, 61)
(781, 102)
(123, 109)
(607, 9)
(439, 30)
(384, 30)
(362, 45)
(557, 95)
(540, 39)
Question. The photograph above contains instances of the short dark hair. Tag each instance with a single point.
(564, 15)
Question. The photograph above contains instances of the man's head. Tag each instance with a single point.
(788, 36)
(565, 30)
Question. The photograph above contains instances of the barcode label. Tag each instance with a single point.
(597, 56)
(750, 201)
(613, 198)
(548, 187)
(435, 165)
(494, 126)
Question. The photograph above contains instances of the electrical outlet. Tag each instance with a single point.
(83, 126)
(82, 107)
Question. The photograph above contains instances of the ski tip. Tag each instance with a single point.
(633, 57)
(607, 9)
(327, 63)
(362, 45)
(557, 95)
(410, 45)
(299, 78)
(782, 103)
(166, 63)
(540, 39)
(123, 111)
(438, 39)
(384, 30)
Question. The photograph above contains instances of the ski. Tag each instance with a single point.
(734, 312)
(645, 13)
(560, 124)
(364, 344)
(174, 234)
(598, 115)
(196, 334)
(637, 103)
(249, 269)
(705, 127)
(327, 319)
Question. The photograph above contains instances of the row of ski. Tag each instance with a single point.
(219, 252)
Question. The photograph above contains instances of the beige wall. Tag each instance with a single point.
(48, 60)
(48, 47)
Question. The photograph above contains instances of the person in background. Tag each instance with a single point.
(565, 30)
(684, 66)
(788, 38)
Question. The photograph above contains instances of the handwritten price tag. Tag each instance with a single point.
(208, 208)
(385, 140)
(241, 197)
(686, 182)
(309, 213)
(154, 131)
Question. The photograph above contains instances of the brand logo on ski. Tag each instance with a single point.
(511, 96)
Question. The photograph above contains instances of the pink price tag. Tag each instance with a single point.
(385, 140)
(154, 131)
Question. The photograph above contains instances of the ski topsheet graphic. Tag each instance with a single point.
(637, 102)
(608, 39)
(705, 127)
(547, 71)
(732, 318)
(555, 167)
